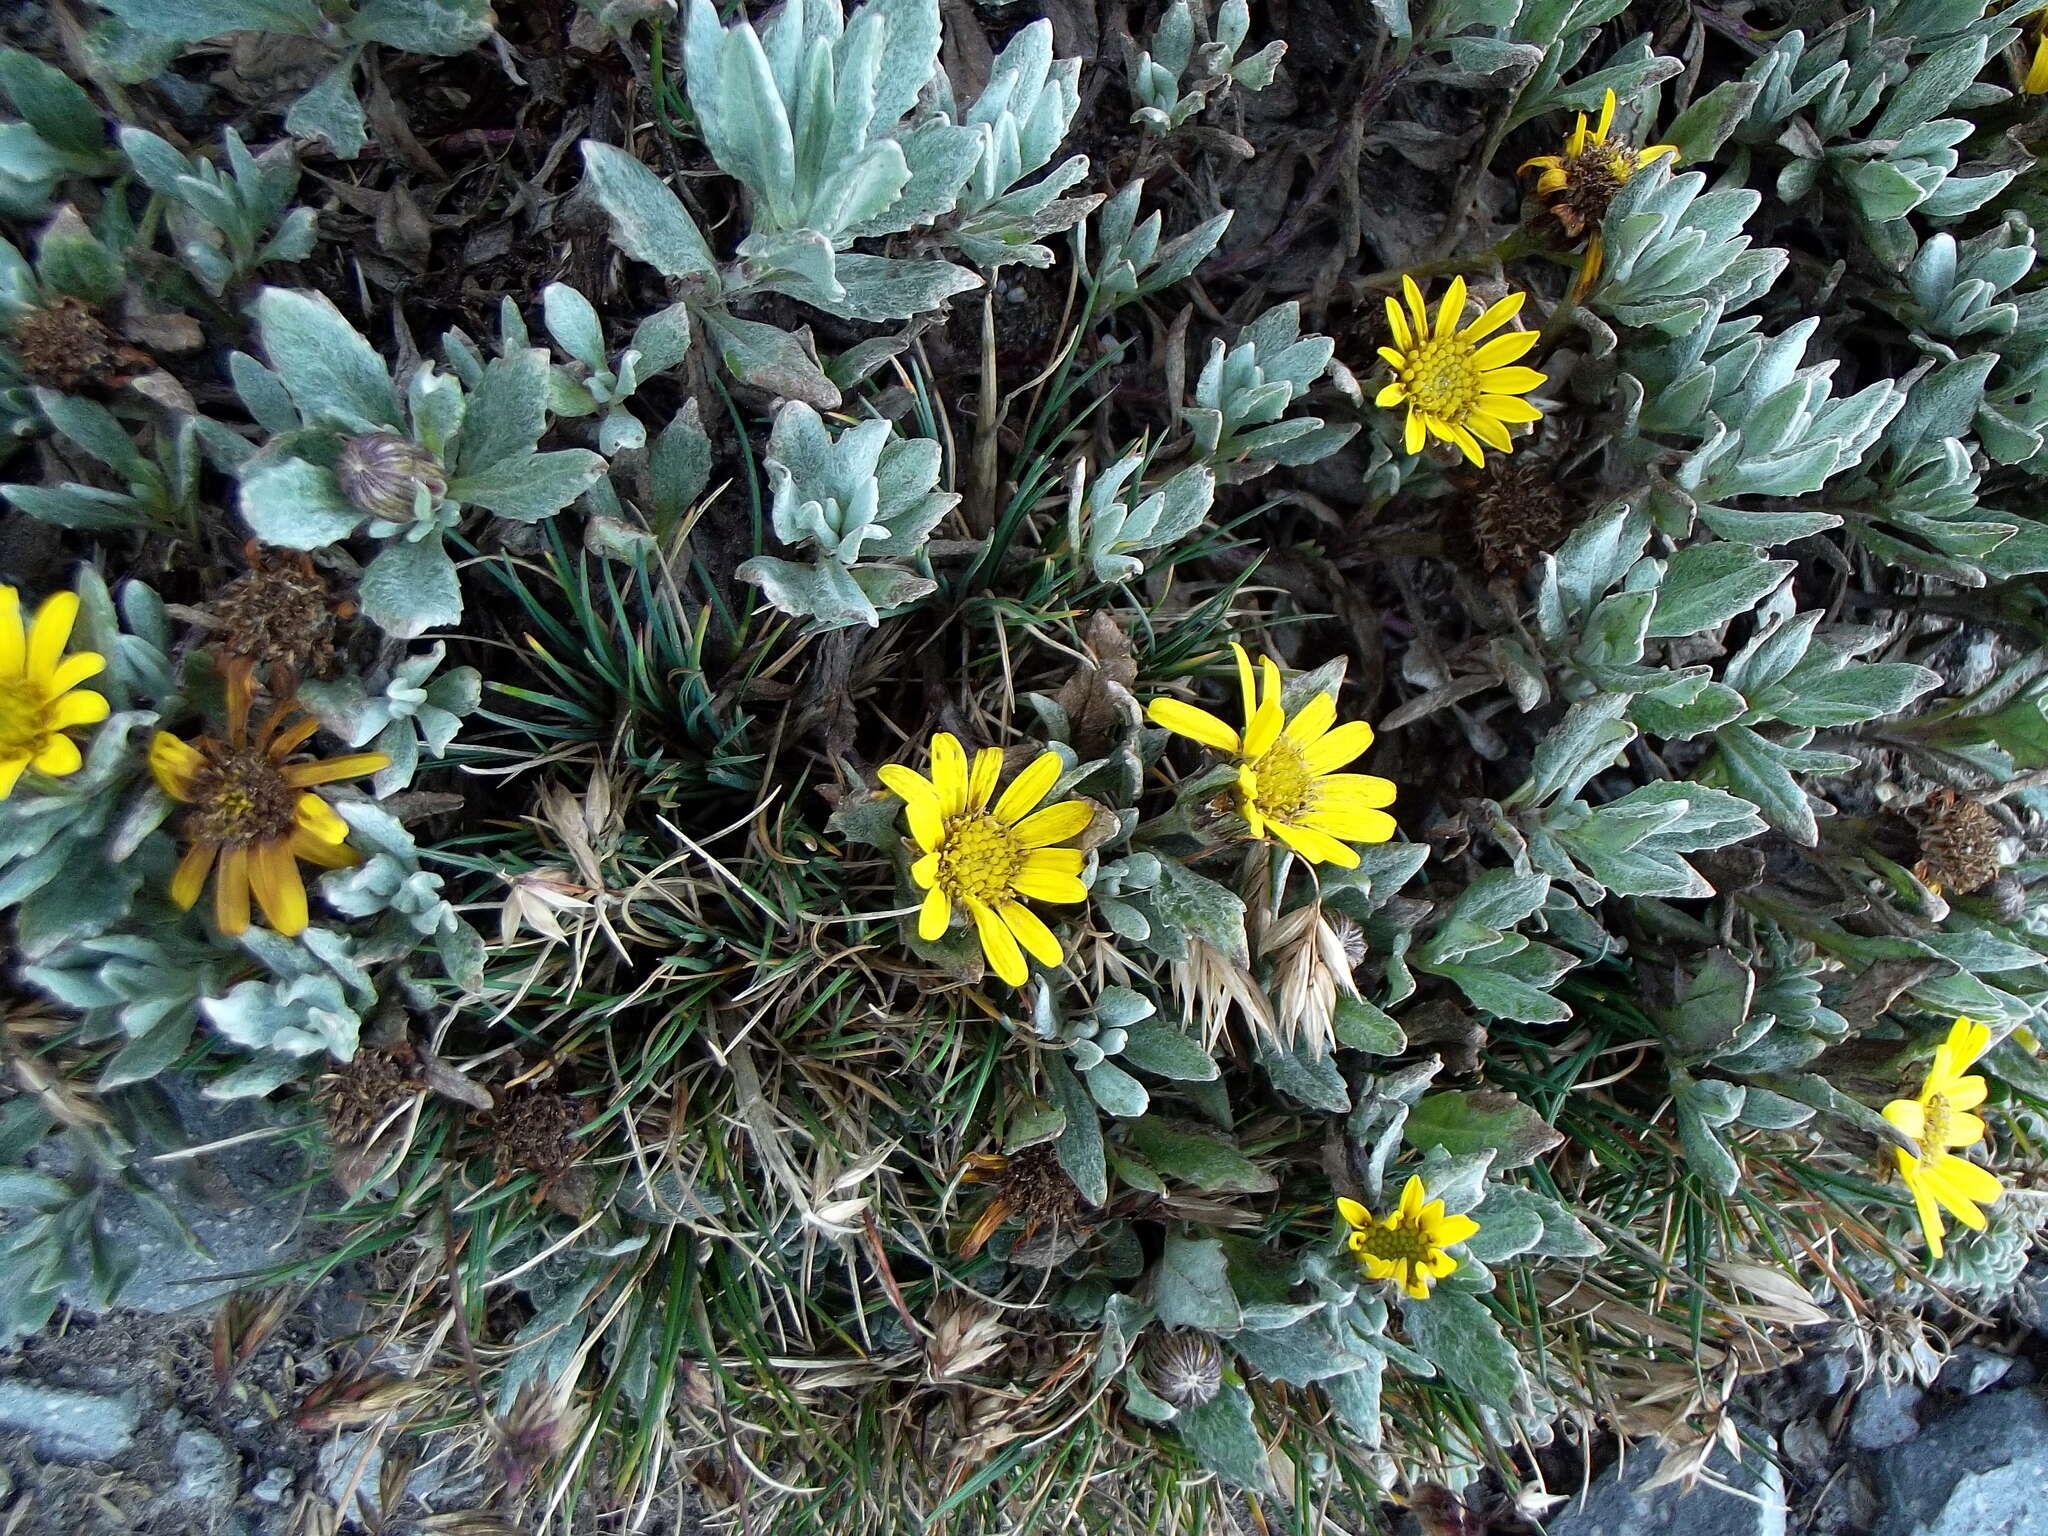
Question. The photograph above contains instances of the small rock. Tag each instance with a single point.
(1614, 1507)
(1979, 1471)
(68, 1425)
(207, 1469)
(1847, 1506)
(1805, 1443)
(1884, 1415)
(1826, 1374)
(1971, 1370)
(276, 1484)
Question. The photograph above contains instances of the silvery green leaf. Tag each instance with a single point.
(439, 27)
(770, 358)
(573, 322)
(648, 220)
(1165, 1052)
(824, 592)
(155, 160)
(506, 413)
(71, 260)
(334, 375)
(1116, 1090)
(296, 504)
(1078, 1146)
(1224, 1439)
(662, 340)
(410, 588)
(91, 426)
(620, 432)
(531, 486)
(680, 466)
(60, 113)
(1706, 585)
(888, 288)
(192, 21)
(331, 113)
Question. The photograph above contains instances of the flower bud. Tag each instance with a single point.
(1184, 1367)
(381, 472)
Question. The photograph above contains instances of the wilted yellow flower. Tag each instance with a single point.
(1941, 1118)
(39, 694)
(1577, 185)
(254, 812)
(1409, 1245)
(1288, 786)
(982, 859)
(1458, 386)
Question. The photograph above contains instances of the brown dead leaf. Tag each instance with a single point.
(1097, 699)
(402, 230)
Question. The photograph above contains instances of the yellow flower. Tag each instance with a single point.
(1456, 385)
(39, 694)
(254, 812)
(1288, 786)
(1941, 1118)
(981, 858)
(2036, 83)
(1407, 1246)
(1577, 186)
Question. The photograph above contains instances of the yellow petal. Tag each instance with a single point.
(1000, 945)
(1316, 846)
(1490, 431)
(11, 770)
(949, 774)
(81, 707)
(1028, 788)
(1929, 1214)
(1404, 338)
(1391, 395)
(1455, 1229)
(1196, 724)
(58, 757)
(1965, 1092)
(274, 878)
(14, 639)
(925, 872)
(1247, 682)
(1412, 434)
(75, 669)
(926, 827)
(1452, 309)
(174, 764)
(1333, 750)
(1354, 791)
(317, 819)
(1412, 1196)
(326, 770)
(317, 850)
(1312, 720)
(1042, 882)
(1350, 826)
(1907, 1118)
(1416, 307)
(1963, 1129)
(1511, 381)
(1650, 154)
(1467, 443)
(231, 892)
(934, 916)
(1248, 799)
(1606, 116)
(1353, 1213)
(1967, 1040)
(981, 782)
(189, 879)
(1265, 726)
(907, 783)
(1394, 360)
(1504, 349)
(49, 634)
(1958, 1176)
(1054, 824)
(1507, 408)
(1037, 939)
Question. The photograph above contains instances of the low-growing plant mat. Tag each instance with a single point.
(1006, 768)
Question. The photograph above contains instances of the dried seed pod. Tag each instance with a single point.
(281, 613)
(534, 1129)
(66, 346)
(1960, 843)
(381, 474)
(358, 1096)
(1184, 1367)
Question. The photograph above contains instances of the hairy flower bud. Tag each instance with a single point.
(381, 473)
(1185, 1368)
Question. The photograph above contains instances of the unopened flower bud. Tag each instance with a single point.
(381, 473)
(1184, 1367)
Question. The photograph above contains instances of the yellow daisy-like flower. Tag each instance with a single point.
(983, 859)
(1577, 185)
(1938, 1119)
(2036, 83)
(1408, 1246)
(1288, 786)
(1458, 386)
(39, 694)
(253, 812)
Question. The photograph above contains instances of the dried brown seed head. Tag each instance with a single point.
(1960, 843)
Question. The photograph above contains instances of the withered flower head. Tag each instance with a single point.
(1577, 185)
(279, 615)
(533, 1130)
(1184, 1367)
(359, 1095)
(1516, 512)
(382, 473)
(64, 345)
(1029, 1184)
(1959, 843)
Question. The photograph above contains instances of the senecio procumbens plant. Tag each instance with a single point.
(841, 130)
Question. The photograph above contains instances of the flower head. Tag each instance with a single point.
(1577, 185)
(2036, 83)
(253, 811)
(1938, 1119)
(1288, 786)
(1457, 385)
(39, 694)
(982, 854)
(1409, 1245)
